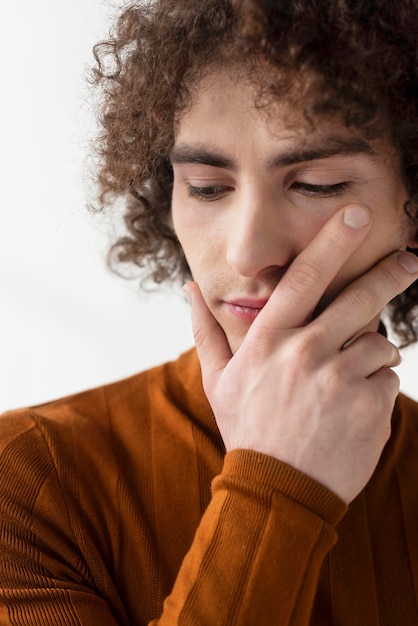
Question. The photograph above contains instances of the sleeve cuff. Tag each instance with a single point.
(264, 475)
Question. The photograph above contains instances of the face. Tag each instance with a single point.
(251, 191)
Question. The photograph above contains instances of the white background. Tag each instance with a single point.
(66, 323)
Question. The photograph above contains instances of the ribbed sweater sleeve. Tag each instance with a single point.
(258, 551)
(44, 578)
(255, 558)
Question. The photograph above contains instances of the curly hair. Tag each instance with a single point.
(354, 58)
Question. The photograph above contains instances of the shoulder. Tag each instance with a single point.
(100, 409)
(97, 428)
(81, 464)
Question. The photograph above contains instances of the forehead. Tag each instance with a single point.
(226, 111)
(232, 92)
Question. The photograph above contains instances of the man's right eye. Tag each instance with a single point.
(211, 192)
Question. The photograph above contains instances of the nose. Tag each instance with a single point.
(260, 238)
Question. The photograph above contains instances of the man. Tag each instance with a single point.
(267, 150)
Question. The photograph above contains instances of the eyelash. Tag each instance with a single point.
(320, 191)
(212, 192)
(215, 192)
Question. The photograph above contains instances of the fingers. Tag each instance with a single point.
(384, 385)
(387, 384)
(212, 346)
(310, 274)
(368, 354)
(364, 299)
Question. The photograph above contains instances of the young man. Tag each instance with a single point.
(268, 150)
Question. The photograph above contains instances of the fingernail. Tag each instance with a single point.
(187, 292)
(356, 217)
(397, 358)
(408, 261)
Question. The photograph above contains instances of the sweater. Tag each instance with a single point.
(119, 506)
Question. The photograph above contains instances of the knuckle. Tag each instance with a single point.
(199, 336)
(304, 274)
(336, 243)
(386, 388)
(360, 299)
(374, 342)
(389, 351)
(392, 380)
(306, 346)
(392, 277)
(371, 341)
(334, 379)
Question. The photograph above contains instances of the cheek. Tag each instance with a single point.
(198, 232)
(182, 224)
(195, 243)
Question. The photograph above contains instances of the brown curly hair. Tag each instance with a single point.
(354, 58)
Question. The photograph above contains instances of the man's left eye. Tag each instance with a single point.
(320, 190)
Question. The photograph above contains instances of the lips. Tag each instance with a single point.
(246, 309)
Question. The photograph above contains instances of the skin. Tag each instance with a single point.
(293, 239)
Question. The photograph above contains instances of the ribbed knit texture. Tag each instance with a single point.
(118, 506)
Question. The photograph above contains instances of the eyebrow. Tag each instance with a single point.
(197, 153)
(332, 146)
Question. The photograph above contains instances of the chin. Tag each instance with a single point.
(235, 341)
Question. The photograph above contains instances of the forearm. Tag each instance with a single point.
(257, 554)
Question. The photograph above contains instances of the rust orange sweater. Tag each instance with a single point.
(118, 506)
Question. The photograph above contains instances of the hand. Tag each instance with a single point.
(293, 390)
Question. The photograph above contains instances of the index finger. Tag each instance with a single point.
(302, 286)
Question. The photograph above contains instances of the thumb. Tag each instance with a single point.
(211, 343)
